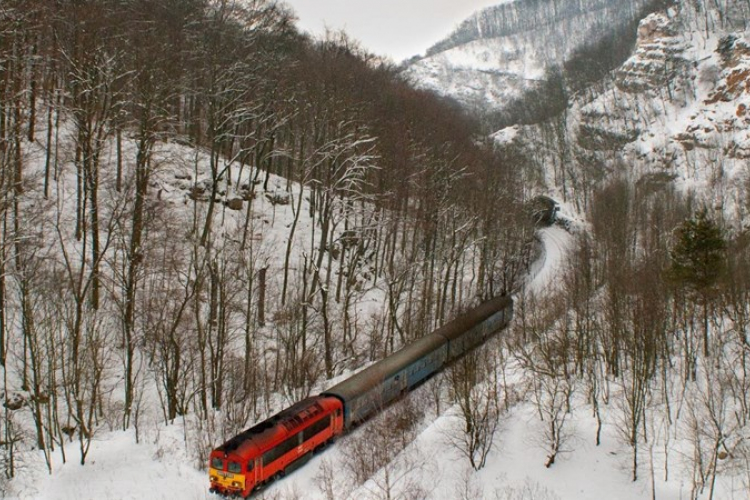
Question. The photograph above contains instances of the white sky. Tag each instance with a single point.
(396, 28)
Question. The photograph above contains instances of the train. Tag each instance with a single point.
(276, 446)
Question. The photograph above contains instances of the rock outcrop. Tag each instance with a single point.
(659, 57)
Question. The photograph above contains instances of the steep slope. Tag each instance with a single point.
(200, 202)
(677, 109)
(504, 53)
(661, 137)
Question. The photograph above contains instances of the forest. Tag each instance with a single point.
(648, 329)
(207, 215)
(533, 15)
(137, 139)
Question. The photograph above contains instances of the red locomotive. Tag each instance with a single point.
(269, 449)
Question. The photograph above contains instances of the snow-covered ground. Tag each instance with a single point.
(161, 464)
(156, 469)
(159, 467)
(556, 242)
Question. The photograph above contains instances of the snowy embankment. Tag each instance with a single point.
(555, 243)
(429, 466)
(156, 469)
(159, 467)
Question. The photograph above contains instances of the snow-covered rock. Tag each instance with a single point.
(658, 59)
(503, 52)
(677, 109)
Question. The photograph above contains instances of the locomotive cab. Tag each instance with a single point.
(230, 475)
(271, 448)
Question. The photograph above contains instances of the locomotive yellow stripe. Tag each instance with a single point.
(226, 479)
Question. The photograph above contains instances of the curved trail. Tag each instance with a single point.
(557, 243)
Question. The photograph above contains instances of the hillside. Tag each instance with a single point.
(504, 59)
(649, 325)
(651, 156)
(673, 114)
(207, 216)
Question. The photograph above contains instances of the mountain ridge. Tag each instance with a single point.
(525, 53)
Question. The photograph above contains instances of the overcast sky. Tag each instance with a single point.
(396, 28)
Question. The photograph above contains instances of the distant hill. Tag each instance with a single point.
(498, 58)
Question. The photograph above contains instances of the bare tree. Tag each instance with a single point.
(171, 288)
(474, 386)
(546, 351)
(716, 433)
(377, 457)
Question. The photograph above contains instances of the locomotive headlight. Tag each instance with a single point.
(235, 484)
(213, 479)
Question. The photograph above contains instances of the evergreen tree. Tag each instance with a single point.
(699, 260)
(698, 256)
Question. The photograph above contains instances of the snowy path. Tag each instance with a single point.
(556, 242)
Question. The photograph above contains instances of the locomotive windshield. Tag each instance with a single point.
(217, 463)
(234, 467)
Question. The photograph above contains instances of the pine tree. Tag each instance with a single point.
(699, 260)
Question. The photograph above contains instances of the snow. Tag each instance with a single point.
(156, 469)
(556, 243)
(487, 71)
(690, 127)
(162, 464)
(160, 467)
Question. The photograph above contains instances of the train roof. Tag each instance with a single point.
(267, 433)
(374, 374)
(458, 326)
(360, 383)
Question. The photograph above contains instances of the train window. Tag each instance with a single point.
(288, 445)
(315, 429)
(280, 450)
(250, 466)
(217, 463)
(271, 455)
(234, 468)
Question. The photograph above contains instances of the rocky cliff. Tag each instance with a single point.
(504, 53)
(678, 109)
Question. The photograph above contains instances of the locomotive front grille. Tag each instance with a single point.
(226, 481)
